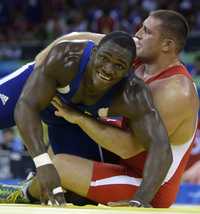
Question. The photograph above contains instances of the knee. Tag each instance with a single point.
(58, 160)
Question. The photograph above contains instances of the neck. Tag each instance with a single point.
(160, 64)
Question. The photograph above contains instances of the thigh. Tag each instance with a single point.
(69, 138)
(111, 182)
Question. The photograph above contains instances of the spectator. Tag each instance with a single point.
(11, 142)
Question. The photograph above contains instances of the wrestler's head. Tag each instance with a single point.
(164, 31)
(112, 59)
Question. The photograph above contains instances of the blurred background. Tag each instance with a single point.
(27, 26)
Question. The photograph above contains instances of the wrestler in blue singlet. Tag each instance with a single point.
(63, 136)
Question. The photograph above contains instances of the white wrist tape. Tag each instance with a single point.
(57, 190)
(42, 160)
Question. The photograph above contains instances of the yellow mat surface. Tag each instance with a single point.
(70, 209)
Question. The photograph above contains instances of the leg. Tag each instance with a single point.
(75, 174)
(70, 139)
(97, 181)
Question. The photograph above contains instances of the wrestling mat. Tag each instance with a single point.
(70, 209)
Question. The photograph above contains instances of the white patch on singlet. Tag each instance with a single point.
(4, 98)
(103, 112)
(64, 90)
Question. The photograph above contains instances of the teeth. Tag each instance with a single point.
(104, 77)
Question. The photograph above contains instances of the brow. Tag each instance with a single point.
(118, 59)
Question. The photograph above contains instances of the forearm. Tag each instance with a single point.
(30, 127)
(120, 142)
(155, 170)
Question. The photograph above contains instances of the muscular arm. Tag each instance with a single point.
(36, 95)
(96, 37)
(148, 128)
(108, 137)
(152, 132)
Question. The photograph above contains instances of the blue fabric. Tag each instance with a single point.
(10, 88)
(63, 136)
(188, 194)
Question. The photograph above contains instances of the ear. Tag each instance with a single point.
(94, 50)
(168, 44)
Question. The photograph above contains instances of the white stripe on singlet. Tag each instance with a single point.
(15, 73)
(121, 179)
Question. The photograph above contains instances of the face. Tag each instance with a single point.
(111, 63)
(149, 41)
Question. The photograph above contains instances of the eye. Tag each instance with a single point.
(146, 30)
(119, 67)
(103, 58)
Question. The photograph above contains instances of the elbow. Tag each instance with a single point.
(20, 111)
(167, 155)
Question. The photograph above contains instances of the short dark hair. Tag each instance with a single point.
(174, 26)
(121, 38)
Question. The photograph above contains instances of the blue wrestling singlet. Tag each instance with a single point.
(10, 90)
(63, 136)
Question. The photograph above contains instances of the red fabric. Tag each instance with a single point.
(134, 167)
(178, 69)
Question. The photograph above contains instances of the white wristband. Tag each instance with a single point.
(57, 190)
(42, 160)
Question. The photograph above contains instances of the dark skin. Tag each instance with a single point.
(51, 75)
(135, 102)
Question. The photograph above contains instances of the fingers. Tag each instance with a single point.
(60, 199)
(128, 203)
(51, 198)
(56, 196)
(118, 204)
(58, 114)
(56, 103)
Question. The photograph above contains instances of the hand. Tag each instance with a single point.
(49, 179)
(129, 203)
(65, 111)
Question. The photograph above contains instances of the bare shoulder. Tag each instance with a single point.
(177, 102)
(177, 89)
(63, 60)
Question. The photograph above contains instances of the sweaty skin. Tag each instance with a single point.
(177, 107)
(141, 119)
(51, 74)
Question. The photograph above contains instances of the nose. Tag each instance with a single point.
(108, 68)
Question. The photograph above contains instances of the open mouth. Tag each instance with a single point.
(104, 76)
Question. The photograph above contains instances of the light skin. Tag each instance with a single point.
(179, 108)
